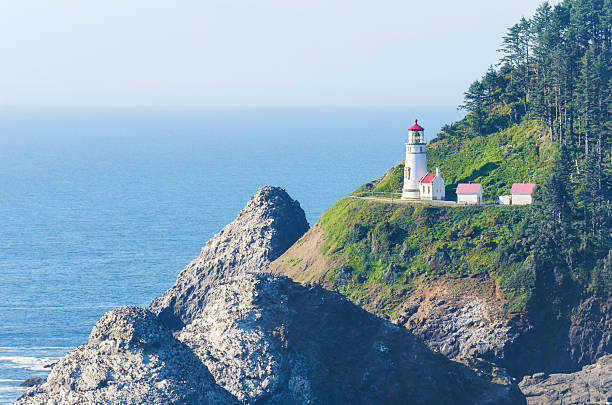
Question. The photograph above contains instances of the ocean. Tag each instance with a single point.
(103, 207)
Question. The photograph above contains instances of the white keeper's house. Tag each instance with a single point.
(521, 193)
(418, 184)
(432, 187)
(469, 193)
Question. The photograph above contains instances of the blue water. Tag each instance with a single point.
(101, 208)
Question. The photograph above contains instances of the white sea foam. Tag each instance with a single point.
(12, 389)
(12, 348)
(58, 307)
(27, 362)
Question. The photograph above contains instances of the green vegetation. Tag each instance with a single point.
(541, 115)
(388, 247)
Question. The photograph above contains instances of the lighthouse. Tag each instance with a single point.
(416, 162)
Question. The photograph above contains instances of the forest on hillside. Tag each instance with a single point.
(556, 68)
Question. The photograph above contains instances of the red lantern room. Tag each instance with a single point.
(415, 134)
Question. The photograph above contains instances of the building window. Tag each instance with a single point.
(408, 174)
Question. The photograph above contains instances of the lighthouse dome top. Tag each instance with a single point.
(415, 127)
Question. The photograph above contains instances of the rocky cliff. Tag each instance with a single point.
(267, 339)
(459, 318)
(254, 338)
(464, 317)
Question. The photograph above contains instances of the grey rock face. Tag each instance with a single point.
(462, 324)
(537, 344)
(464, 330)
(591, 385)
(453, 319)
(269, 224)
(590, 332)
(267, 339)
(130, 358)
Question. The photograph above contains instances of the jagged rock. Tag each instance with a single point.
(130, 358)
(269, 224)
(591, 385)
(267, 339)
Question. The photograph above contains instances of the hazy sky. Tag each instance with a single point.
(249, 52)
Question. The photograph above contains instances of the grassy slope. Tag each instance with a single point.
(376, 253)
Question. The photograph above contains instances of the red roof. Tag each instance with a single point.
(415, 127)
(468, 188)
(428, 178)
(522, 188)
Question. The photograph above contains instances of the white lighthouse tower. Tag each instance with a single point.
(416, 162)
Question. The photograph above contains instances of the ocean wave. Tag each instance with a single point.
(54, 308)
(12, 389)
(27, 362)
(36, 348)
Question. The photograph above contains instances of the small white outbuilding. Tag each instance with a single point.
(504, 199)
(469, 193)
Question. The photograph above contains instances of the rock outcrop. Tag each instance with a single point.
(469, 325)
(591, 385)
(455, 318)
(267, 339)
(269, 224)
(130, 358)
